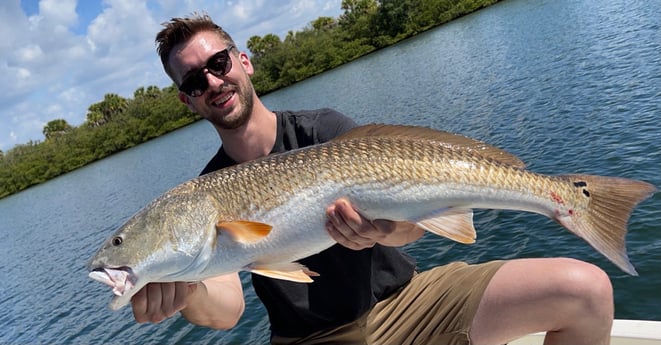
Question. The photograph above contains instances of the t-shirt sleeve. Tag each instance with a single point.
(332, 123)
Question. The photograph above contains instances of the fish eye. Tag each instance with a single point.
(117, 241)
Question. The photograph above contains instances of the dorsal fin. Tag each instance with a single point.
(447, 139)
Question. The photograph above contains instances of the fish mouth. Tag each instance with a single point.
(121, 279)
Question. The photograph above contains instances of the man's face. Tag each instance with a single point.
(228, 100)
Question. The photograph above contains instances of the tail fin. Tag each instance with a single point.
(604, 227)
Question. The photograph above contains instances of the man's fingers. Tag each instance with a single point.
(349, 216)
(139, 305)
(182, 290)
(158, 301)
(349, 228)
(154, 301)
(341, 238)
(168, 295)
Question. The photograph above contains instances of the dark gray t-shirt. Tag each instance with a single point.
(350, 281)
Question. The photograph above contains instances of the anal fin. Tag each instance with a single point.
(454, 223)
(290, 271)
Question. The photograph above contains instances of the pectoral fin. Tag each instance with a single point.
(291, 271)
(244, 231)
(455, 224)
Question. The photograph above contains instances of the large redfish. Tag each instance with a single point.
(263, 215)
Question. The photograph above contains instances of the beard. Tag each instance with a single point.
(245, 94)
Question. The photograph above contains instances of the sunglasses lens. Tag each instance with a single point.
(220, 64)
(195, 85)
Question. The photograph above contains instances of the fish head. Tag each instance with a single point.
(169, 240)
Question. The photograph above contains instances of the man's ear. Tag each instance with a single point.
(185, 100)
(246, 63)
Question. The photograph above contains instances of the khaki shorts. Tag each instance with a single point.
(436, 307)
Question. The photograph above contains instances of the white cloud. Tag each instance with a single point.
(52, 69)
(29, 53)
(62, 13)
(22, 73)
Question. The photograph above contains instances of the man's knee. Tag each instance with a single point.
(588, 285)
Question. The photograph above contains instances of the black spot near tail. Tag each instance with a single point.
(579, 184)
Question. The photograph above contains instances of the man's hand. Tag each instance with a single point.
(158, 301)
(352, 230)
(215, 302)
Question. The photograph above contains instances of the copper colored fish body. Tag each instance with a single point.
(263, 215)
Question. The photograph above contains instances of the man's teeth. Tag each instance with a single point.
(224, 99)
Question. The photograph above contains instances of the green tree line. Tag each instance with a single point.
(116, 123)
(112, 125)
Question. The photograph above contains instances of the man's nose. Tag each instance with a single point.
(214, 81)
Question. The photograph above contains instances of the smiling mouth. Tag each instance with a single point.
(223, 99)
(120, 279)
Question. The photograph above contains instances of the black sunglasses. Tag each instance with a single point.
(218, 64)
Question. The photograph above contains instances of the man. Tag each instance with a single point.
(368, 291)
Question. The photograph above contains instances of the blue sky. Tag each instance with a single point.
(57, 57)
(87, 10)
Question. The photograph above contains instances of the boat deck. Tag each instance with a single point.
(625, 332)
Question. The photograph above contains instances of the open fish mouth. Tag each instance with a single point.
(120, 279)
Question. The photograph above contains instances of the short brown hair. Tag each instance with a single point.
(180, 30)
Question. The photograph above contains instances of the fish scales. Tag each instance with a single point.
(358, 162)
(262, 216)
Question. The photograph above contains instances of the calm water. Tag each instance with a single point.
(569, 86)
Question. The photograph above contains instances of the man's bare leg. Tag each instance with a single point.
(570, 299)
